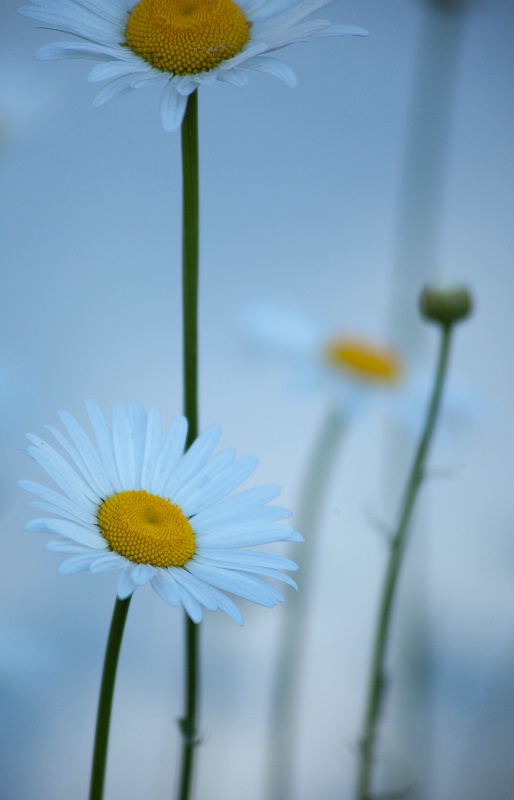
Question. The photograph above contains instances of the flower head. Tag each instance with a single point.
(357, 374)
(138, 504)
(350, 369)
(183, 44)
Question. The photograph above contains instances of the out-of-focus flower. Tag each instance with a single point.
(182, 44)
(138, 504)
(350, 369)
(353, 371)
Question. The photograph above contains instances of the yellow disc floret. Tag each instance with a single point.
(146, 529)
(364, 361)
(185, 37)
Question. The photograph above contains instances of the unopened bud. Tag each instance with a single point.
(445, 306)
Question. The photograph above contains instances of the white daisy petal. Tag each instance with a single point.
(104, 443)
(143, 574)
(273, 67)
(164, 518)
(126, 586)
(293, 536)
(193, 460)
(57, 50)
(204, 478)
(200, 56)
(60, 471)
(245, 535)
(190, 604)
(343, 30)
(76, 564)
(115, 88)
(236, 77)
(73, 516)
(227, 480)
(164, 585)
(250, 562)
(152, 448)
(170, 454)
(245, 586)
(83, 512)
(106, 563)
(62, 546)
(137, 422)
(249, 499)
(207, 595)
(123, 448)
(173, 107)
(210, 597)
(77, 533)
(197, 590)
(108, 70)
(92, 464)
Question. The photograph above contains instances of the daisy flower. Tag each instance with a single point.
(182, 44)
(356, 372)
(136, 503)
(350, 369)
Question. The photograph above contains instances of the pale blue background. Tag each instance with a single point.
(301, 198)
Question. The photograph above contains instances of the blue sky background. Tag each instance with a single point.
(302, 203)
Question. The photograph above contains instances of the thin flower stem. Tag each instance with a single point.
(190, 252)
(103, 719)
(283, 736)
(397, 549)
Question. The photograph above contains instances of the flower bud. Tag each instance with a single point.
(445, 306)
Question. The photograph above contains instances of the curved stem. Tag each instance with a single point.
(397, 549)
(190, 253)
(103, 719)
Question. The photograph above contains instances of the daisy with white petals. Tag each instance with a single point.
(352, 370)
(182, 44)
(136, 503)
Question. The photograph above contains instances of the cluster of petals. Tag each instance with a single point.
(301, 340)
(133, 454)
(101, 25)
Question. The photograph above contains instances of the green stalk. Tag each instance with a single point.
(283, 735)
(103, 719)
(190, 251)
(397, 549)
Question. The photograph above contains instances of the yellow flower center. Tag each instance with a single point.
(185, 37)
(146, 529)
(364, 361)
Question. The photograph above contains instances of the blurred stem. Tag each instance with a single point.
(103, 719)
(190, 252)
(291, 657)
(397, 549)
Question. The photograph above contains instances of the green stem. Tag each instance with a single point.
(188, 723)
(103, 719)
(190, 252)
(397, 549)
(283, 736)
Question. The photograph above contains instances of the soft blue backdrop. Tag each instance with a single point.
(301, 195)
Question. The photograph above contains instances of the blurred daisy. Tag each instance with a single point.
(138, 504)
(356, 372)
(182, 44)
(350, 369)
